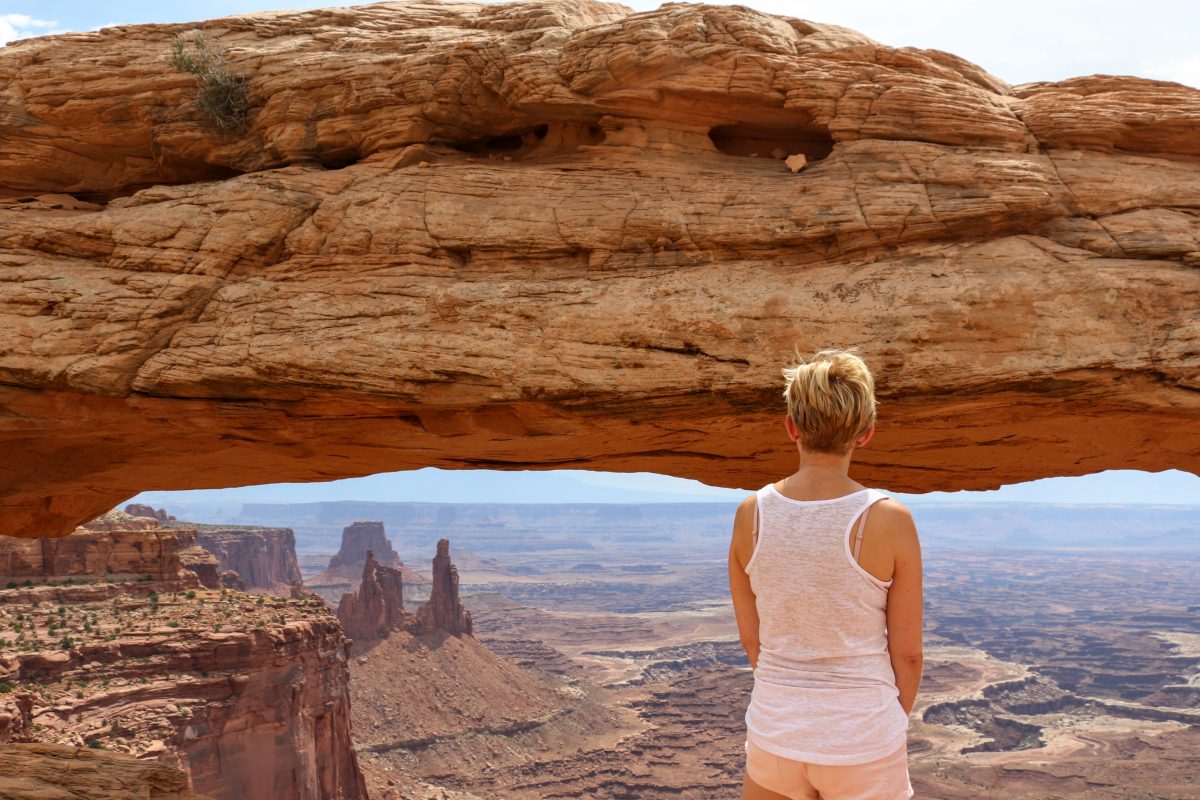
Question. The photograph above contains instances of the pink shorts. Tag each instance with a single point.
(883, 779)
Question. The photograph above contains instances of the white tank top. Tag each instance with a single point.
(824, 690)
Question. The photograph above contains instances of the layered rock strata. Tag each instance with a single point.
(264, 558)
(248, 697)
(377, 607)
(444, 610)
(114, 547)
(567, 234)
(50, 772)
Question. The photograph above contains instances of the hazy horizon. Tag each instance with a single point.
(1112, 487)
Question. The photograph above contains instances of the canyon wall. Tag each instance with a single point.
(562, 234)
(264, 558)
(250, 699)
(199, 560)
(113, 547)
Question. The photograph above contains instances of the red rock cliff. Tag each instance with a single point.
(265, 558)
(115, 546)
(250, 699)
(140, 510)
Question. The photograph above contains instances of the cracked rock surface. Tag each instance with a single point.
(562, 234)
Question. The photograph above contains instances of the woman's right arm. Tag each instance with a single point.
(905, 603)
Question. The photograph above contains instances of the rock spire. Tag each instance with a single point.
(444, 611)
(378, 606)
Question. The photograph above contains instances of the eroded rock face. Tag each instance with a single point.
(570, 236)
(264, 558)
(377, 607)
(443, 611)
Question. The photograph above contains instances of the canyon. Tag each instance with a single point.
(1019, 263)
(125, 651)
(617, 622)
(579, 685)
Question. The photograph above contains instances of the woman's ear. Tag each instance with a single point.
(792, 431)
(866, 437)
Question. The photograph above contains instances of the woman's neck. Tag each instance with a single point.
(820, 475)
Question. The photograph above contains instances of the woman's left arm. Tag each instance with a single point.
(741, 548)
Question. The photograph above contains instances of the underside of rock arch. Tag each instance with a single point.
(563, 234)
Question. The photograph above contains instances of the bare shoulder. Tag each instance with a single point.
(890, 508)
(743, 520)
(897, 522)
(742, 544)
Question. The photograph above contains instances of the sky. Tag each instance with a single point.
(580, 486)
(1017, 40)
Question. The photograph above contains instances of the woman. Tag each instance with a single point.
(828, 604)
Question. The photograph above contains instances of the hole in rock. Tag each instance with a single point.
(544, 138)
(339, 159)
(203, 174)
(599, 613)
(746, 140)
(506, 143)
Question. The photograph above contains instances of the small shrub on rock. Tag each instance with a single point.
(220, 94)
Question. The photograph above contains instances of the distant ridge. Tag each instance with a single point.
(492, 528)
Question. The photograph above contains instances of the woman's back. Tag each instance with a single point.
(824, 691)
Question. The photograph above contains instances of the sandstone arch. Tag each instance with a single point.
(530, 236)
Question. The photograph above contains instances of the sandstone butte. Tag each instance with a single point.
(563, 234)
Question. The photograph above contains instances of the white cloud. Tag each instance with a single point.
(22, 26)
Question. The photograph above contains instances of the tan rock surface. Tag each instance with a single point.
(558, 234)
(56, 772)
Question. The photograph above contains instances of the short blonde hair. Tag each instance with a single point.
(831, 398)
